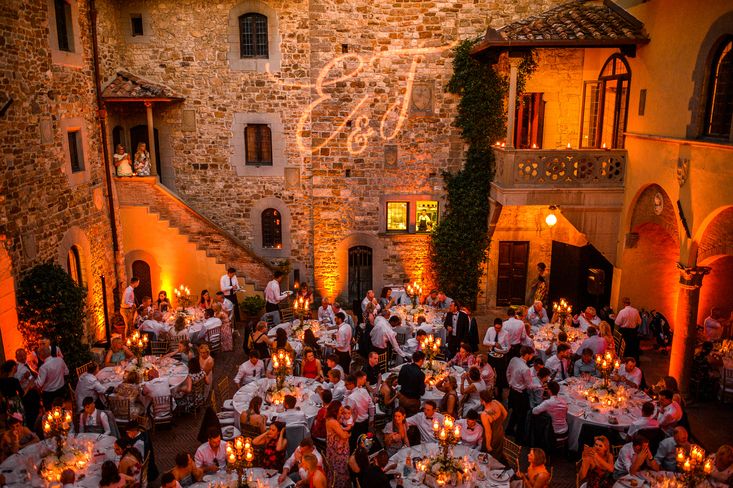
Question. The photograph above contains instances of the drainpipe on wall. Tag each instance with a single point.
(102, 111)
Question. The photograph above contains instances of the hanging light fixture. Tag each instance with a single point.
(551, 218)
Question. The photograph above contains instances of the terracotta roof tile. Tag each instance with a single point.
(127, 85)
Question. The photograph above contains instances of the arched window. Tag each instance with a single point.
(73, 265)
(272, 231)
(253, 36)
(720, 92)
(605, 105)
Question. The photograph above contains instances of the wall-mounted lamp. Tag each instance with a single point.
(551, 218)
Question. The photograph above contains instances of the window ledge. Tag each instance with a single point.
(713, 143)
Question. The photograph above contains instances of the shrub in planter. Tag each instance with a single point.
(252, 306)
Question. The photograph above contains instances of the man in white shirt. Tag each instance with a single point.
(496, 338)
(443, 302)
(634, 457)
(472, 433)
(424, 421)
(273, 295)
(336, 306)
(362, 409)
(669, 411)
(335, 384)
(229, 286)
(404, 297)
(594, 342)
(305, 447)
(629, 373)
(666, 454)
(343, 341)
(156, 325)
(89, 386)
(325, 312)
(197, 331)
(515, 331)
(50, 379)
(127, 308)
(628, 321)
(712, 326)
(559, 364)
(212, 455)
(370, 298)
(647, 420)
(290, 415)
(250, 370)
(383, 333)
(586, 319)
(24, 374)
(537, 315)
(332, 362)
(432, 298)
(93, 421)
(226, 306)
(556, 407)
(519, 377)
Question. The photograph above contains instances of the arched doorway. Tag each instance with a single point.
(715, 249)
(649, 273)
(141, 270)
(10, 337)
(360, 272)
(139, 134)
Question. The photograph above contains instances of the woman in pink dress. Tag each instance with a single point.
(227, 342)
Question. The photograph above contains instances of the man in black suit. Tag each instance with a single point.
(472, 334)
(456, 327)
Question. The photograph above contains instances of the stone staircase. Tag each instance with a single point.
(207, 236)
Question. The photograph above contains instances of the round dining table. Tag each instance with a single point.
(21, 469)
(547, 335)
(259, 477)
(308, 401)
(486, 470)
(655, 479)
(168, 368)
(431, 392)
(582, 411)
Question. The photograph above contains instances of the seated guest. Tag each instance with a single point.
(443, 302)
(281, 342)
(347, 317)
(180, 331)
(537, 316)
(556, 407)
(162, 303)
(117, 353)
(666, 454)
(129, 389)
(318, 431)
(487, 371)
(93, 421)
(325, 312)
(335, 384)
(647, 420)
(538, 391)
(250, 370)
(194, 375)
(596, 469)
(131, 461)
(423, 325)
(634, 457)
(669, 411)
(89, 386)
(296, 459)
(205, 301)
(722, 474)
(183, 351)
(585, 365)
(185, 470)
(415, 343)
(472, 434)
(463, 358)
(136, 437)
(212, 455)
(258, 340)
(252, 416)
(387, 394)
(712, 325)
(112, 478)
(559, 364)
(310, 341)
(395, 432)
(424, 421)
(332, 362)
(144, 311)
(155, 388)
(449, 402)
(594, 342)
(316, 477)
(628, 373)
(290, 415)
(587, 319)
(605, 331)
(274, 444)
(387, 300)
(16, 437)
(167, 480)
(197, 331)
(537, 475)
(562, 338)
(471, 387)
(432, 298)
(311, 367)
(156, 326)
(359, 460)
(371, 369)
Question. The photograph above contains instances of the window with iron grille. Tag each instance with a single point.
(272, 231)
(258, 145)
(75, 151)
(64, 26)
(253, 36)
(720, 92)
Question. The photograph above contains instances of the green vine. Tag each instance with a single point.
(460, 241)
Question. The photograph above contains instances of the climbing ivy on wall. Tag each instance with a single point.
(460, 241)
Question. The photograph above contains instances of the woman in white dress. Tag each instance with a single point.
(471, 387)
(142, 160)
(122, 161)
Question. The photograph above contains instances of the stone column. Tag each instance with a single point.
(685, 324)
(511, 106)
(151, 139)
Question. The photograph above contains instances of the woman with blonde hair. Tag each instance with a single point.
(259, 341)
(207, 365)
(537, 475)
(227, 339)
(604, 330)
(597, 464)
(142, 160)
(122, 161)
(117, 353)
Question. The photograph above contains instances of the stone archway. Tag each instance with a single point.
(9, 334)
(715, 249)
(649, 275)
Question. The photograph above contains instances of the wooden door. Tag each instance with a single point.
(512, 275)
(360, 272)
(141, 270)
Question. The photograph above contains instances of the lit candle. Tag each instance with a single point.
(238, 443)
(708, 468)
(232, 458)
(436, 426)
(249, 456)
(442, 434)
(680, 454)
(686, 466)
(568, 145)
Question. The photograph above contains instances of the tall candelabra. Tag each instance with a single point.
(414, 291)
(301, 307)
(606, 365)
(240, 455)
(183, 295)
(563, 309)
(137, 343)
(282, 365)
(448, 434)
(430, 345)
(693, 464)
(57, 424)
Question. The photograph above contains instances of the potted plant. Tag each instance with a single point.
(252, 307)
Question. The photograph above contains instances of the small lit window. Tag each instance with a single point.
(137, 25)
(397, 215)
(76, 155)
(426, 217)
(272, 231)
(64, 26)
(253, 36)
(73, 265)
(258, 145)
(720, 93)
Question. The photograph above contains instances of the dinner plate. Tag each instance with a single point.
(501, 476)
(629, 480)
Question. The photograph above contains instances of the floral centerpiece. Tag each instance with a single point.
(69, 457)
(57, 424)
(607, 395)
(445, 469)
(298, 330)
(240, 454)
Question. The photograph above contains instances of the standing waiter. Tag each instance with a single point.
(229, 285)
(273, 296)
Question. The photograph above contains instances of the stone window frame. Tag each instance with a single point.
(716, 55)
(411, 200)
(72, 58)
(70, 125)
(125, 16)
(237, 144)
(75, 237)
(285, 223)
(261, 65)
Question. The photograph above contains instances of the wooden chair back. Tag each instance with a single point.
(224, 388)
(159, 348)
(383, 362)
(83, 368)
(213, 338)
(511, 451)
(120, 408)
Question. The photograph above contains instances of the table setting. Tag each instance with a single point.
(296, 332)
(409, 316)
(547, 335)
(435, 371)
(256, 478)
(167, 368)
(303, 389)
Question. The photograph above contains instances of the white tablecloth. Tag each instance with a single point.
(168, 368)
(489, 468)
(432, 393)
(659, 479)
(266, 478)
(307, 399)
(20, 470)
(543, 338)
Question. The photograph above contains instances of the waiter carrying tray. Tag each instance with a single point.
(273, 296)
